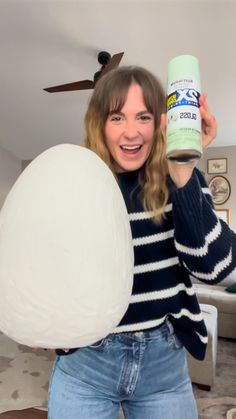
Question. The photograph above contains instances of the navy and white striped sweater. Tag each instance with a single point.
(190, 241)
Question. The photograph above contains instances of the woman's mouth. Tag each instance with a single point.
(131, 149)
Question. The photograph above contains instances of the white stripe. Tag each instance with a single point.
(154, 238)
(184, 312)
(161, 295)
(219, 267)
(139, 216)
(153, 323)
(155, 266)
(206, 191)
(212, 236)
(201, 251)
(168, 208)
(203, 339)
(140, 326)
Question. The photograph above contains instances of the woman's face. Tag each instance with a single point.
(129, 133)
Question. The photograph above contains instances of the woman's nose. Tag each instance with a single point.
(131, 129)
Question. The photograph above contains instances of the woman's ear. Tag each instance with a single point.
(163, 124)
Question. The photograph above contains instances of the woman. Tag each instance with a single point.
(142, 365)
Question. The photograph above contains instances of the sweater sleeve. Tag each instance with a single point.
(205, 244)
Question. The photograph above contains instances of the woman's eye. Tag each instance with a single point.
(115, 118)
(145, 118)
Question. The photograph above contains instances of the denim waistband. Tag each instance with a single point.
(141, 335)
(162, 329)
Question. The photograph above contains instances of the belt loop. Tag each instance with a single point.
(139, 334)
(170, 326)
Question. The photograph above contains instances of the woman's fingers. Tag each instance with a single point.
(66, 350)
(209, 125)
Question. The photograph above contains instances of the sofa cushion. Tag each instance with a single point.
(217, 296)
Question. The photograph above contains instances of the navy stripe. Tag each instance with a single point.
(154, 252)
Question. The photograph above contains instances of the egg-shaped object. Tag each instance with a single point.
(66, 254)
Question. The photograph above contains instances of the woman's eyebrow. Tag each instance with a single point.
(115, 111)
(121, 113)
(143, 112)
(140, 113)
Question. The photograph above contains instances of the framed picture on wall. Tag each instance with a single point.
(215, 166)
(223, 214)
(220, 189)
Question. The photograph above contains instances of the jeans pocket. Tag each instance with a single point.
(99, 345)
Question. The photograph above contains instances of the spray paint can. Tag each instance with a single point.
(184, 142)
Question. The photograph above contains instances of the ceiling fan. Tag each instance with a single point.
(107, 62)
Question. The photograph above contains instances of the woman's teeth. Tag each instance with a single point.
(130, 147)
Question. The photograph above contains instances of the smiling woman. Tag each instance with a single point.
(171, 218)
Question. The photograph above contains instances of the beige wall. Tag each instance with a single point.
(10, 168)
(230, 154)
(25, 164)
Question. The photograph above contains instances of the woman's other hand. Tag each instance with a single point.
(49, 349)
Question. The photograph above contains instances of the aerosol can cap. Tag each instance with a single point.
(183, 65)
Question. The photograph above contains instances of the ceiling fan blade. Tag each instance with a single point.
(112, 63)
(77, 85)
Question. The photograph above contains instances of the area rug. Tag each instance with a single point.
(24, 377)
(214, 404)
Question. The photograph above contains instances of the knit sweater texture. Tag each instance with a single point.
(190, 241)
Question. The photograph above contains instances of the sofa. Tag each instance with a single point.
(224, 301)
(219, 311)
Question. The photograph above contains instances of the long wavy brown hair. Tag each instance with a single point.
(109, 95)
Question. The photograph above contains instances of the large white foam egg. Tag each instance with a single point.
(66, 256)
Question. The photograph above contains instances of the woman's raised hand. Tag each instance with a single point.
(209, 125)
(181, 173)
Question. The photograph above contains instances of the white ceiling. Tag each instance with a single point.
(44, 43)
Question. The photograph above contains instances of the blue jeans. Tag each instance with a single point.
(143, 372)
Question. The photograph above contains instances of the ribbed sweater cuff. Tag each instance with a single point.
(187, 208)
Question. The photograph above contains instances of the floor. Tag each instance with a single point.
(214, 404)
(24, 414)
